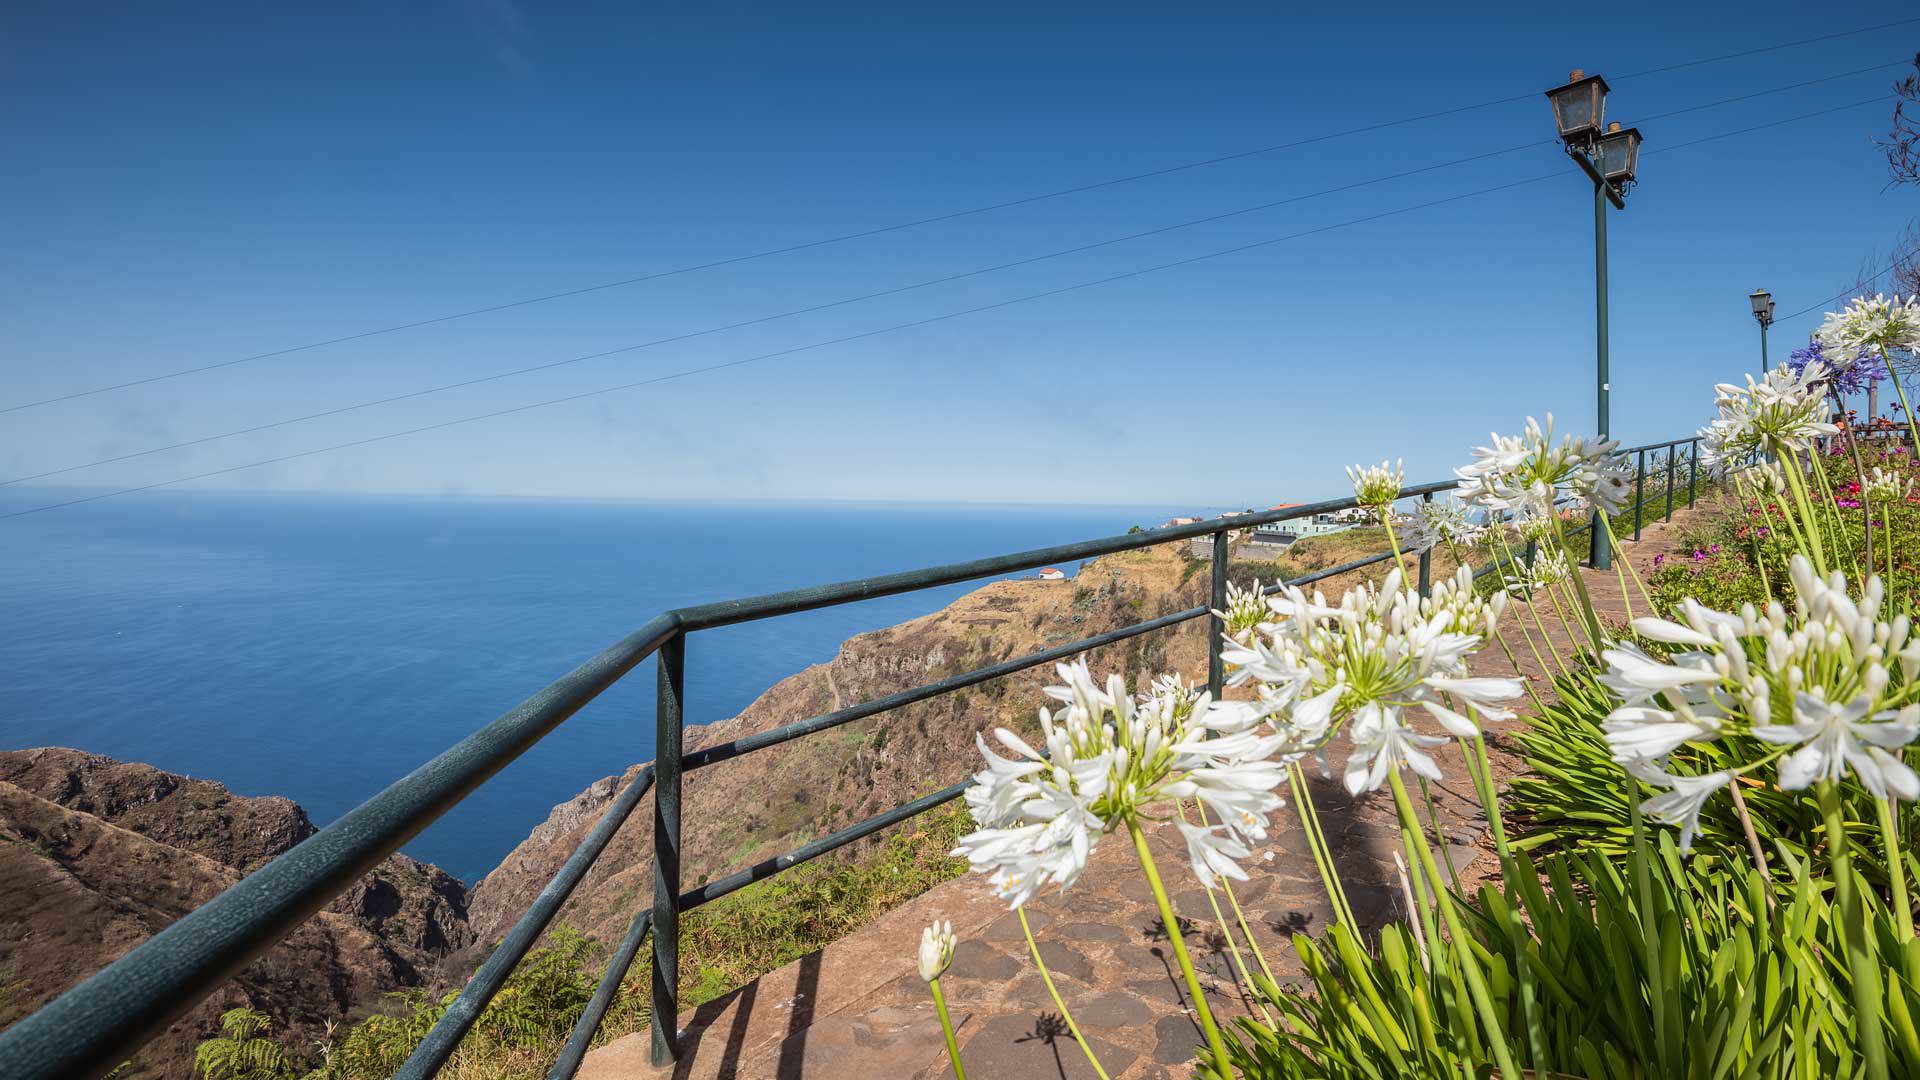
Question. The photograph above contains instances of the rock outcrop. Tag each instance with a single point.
(97, 855)
(750, 808)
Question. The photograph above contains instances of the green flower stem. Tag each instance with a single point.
(1580, 589)
(1606, 522)
(1386, 518)
(1835, 523)
(1440, 842)
(1507, 553)
(1238, 915)
(1866, 504)
(1481, 771)
(1233, 946)
(946, 1028)
(1862, 969)
(1033, 949)
(1649, 920)
(1171, 921)
(1476, 984)
(1897, 873)
(1317, 844)
(1804, 507)
(1887, 359)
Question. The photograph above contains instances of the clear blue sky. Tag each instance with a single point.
(191, 185)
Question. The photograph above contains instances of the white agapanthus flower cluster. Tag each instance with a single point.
(1246, 610)
(1763, 477)
(1362, 664)
(1549, 567)
(1871, 328)
(1108, 757)
(1781, 414)
(1438, 522)
(1528, 473)
(1887, 485)
(1827, 678)
(1377, 486)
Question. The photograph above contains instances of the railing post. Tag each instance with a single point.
(1693, 471)
(1670, 455)
(1639, 499)
(1216, 668)
(669, 720)
(1426, 558)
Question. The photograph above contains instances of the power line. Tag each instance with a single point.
(1842, 294)
(915, 223)
(927, 321)
(897, 290)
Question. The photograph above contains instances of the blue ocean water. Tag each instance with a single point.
(321, 647)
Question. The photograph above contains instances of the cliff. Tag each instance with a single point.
(747, 809)
(97, 855)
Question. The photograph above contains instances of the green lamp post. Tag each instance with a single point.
(1763, 314)
(1611, 159)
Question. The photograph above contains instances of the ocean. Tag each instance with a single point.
(320, 647)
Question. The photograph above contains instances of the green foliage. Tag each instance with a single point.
(1740, 987)
(1573, 797)
(243, 1051)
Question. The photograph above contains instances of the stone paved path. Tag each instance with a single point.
(859, 1009)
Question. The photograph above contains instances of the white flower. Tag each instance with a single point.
(1107, 758)
(1246, 610)
(1548, 567)
(1381, 744)
(1837, 738)
(1213, 853)
(1847, 678)
(1781, 414)
(1887, 485)
(936, 949)
(1529, 473)
(1377, 486)
(1680, 804)
(1879, 325)
(1448, 521)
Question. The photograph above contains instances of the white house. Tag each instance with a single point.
(1051, 574)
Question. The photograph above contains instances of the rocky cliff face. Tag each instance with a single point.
(97, 855)
(751, 808)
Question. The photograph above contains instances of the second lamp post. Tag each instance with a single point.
(1610, 158)
(1763, 314)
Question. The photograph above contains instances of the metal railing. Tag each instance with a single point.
(87, 1031)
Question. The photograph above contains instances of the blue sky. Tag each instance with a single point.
(190, 186)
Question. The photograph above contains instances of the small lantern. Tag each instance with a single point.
(1617, 155)
(1579, 107)
(1762, 306)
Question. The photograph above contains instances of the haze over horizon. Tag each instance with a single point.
(206, 187)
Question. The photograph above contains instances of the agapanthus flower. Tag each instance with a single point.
(1888, 485)
(1781, 414)
(1683, 800)
(1843, 376)
(1246, 610)
(1878, 327)
(1529, 473)
(1827, 677)
(1441, 521)
(1377, 486)
(1549, 567)
(1362, 664)
(936, 949)
(1108, 757)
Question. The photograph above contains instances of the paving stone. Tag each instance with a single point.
(1062, 959)
(1094, 931)
(1111, 1011)
(1175, 1038)
(1037, 1045)
(977, 960)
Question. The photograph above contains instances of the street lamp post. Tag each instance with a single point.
(1762, 314)
(1610, 158)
